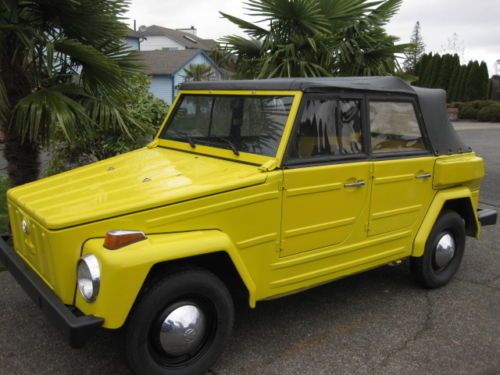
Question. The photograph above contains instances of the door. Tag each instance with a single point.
(403, 167)
(327, 177)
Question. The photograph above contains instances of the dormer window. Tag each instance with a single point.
(190, 39)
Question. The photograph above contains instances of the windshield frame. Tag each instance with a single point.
(224, 153)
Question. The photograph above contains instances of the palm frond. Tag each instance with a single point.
(64, 70)
(38, 114)
(381, 15)
(316, 37)
(251, 29)
(100, 68)
(289, 61)
(198, 72)
(242, 47)
(290, 15)
(342, 13)
(89, 21)
(223, 58)
(109, 114)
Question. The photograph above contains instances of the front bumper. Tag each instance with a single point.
(77, 329)
(487, 216)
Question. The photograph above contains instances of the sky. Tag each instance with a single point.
(474, 26)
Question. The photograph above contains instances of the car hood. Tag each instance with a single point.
(135, 181)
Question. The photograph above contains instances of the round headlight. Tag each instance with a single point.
(89, 277)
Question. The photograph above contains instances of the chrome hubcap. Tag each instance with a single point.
(183, 330)
(445, 250)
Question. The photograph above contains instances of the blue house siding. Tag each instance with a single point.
(133, 43)
(201, 58)
(161, 87)
(165, 86)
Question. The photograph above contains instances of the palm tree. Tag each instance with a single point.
(315, 38)
(62, 68)
(224, 59)
(198, 72)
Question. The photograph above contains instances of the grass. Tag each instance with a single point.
(4, 185)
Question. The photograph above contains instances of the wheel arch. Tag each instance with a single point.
(459, 200)
(128, 271)
(464, 207)
(213, 251)
(219, 263)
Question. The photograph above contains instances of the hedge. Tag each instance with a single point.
(480, 110)
(490, 113)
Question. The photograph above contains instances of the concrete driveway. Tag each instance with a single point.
(379, 322)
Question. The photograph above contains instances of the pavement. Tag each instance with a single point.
(377, 322)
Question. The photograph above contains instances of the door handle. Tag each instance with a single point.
(357, 184)
(424, 175)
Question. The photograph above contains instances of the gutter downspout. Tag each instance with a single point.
(173, 87)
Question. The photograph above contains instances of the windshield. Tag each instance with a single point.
(252, 124)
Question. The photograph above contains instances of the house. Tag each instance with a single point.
(133, 39)
(157, 37)
(166, 53)
(495, 87)
(167, 69)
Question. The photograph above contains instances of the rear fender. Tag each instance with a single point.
(444, 199)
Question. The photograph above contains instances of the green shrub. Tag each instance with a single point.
(468, 112)
(471, 110)
(490, 113)
(480, 104)
(100, 144)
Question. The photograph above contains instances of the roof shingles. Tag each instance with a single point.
(132, 33)
(187, 40)
(166, 62)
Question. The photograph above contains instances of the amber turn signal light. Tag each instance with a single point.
(116, 239)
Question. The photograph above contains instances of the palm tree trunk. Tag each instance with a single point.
(23, 159)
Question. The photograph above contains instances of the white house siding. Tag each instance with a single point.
(159, 42)
(198, 59)
(132, 43)
(161, 87)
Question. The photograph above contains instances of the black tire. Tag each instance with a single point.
(198, 287)
(425, 269)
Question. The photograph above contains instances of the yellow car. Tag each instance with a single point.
(251, 188)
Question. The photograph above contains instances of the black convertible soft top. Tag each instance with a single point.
(442, 135)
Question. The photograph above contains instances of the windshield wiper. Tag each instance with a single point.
(229, 143)
(187, 138)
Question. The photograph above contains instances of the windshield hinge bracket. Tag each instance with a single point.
(269, 166)
(153, 144)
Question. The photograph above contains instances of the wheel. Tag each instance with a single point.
(179, 326)
(443, 253)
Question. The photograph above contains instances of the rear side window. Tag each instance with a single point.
(394, 128)
(328, 127)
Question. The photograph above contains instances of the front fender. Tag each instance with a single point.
(435, 209)
(124, 271)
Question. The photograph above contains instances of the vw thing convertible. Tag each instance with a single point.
(251, 188)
